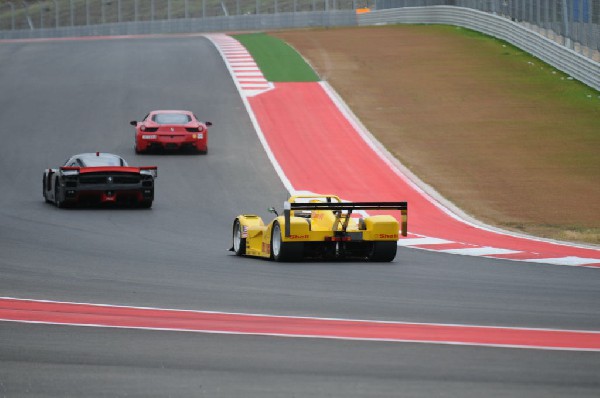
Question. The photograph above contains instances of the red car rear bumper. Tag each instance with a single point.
(168, 142)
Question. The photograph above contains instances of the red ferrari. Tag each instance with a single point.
(171, 130)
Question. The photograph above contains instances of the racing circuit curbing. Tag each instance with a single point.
(290, 119)
(98, 315)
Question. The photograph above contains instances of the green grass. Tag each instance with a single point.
(277, 60)
(548, 75)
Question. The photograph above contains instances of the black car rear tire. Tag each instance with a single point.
(383, 252)
(145, 204)
(44, 188)
(58, 203)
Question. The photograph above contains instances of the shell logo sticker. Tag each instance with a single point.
(298, 237)
(387, 236)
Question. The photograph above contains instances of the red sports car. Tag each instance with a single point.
(171, 130)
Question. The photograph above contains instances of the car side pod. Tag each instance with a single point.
(247, 226)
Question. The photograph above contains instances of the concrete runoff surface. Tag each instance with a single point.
(81, 98)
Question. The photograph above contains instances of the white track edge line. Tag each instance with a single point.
(308, 336)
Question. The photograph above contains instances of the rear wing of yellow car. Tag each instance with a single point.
(347, 207)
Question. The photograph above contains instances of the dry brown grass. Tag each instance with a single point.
(505, 138)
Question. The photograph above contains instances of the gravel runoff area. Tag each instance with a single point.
(505, 137)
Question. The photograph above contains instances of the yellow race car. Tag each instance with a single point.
(321, 226)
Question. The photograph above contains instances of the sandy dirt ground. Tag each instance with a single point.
(462, 114)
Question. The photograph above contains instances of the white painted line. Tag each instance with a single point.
(237, 69)
(479, 251)
(254, 85)
(254, 79)
(571, 260)
(422, 241)
(252, 93)
(247, 74)
(245, 82)
(253, 88)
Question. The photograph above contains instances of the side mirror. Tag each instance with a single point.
(133, 123)
(272, 210)
(208, 124)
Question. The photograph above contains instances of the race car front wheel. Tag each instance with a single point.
(284, 251)
(383, 252)
(239, 243)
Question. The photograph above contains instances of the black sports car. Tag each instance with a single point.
(95, 178)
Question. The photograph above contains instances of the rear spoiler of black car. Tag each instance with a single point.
(74, 170)
(349, 207)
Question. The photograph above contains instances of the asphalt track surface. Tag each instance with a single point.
(58, 98)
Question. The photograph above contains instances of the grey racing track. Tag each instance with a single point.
(58, 98)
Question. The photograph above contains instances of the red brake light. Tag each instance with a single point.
(338, 239)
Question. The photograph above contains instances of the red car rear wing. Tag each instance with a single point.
(349, 207)
(74, 170)
(151, 170)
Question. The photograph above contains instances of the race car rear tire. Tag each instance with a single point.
(239, 243)
(57, 202)
(383, 252)
(44, 190)
(284, 251)
(145, 204)
(136, 148)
